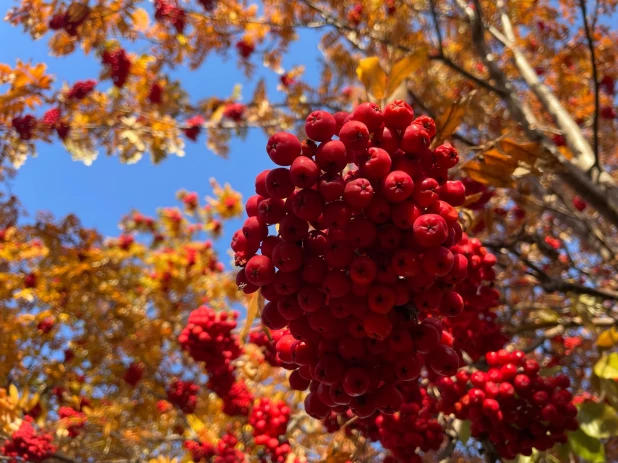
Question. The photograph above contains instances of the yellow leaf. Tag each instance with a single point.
(13, 393)
(141, 20)
(448, 121)
(254, 309)
(372, 76)
(402, 69)
(196, 424)
(608, 338)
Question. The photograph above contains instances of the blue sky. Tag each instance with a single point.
(102, 193)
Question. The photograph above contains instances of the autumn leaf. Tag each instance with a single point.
(403, 68)
(608, 338)
(373, 77)
(448, 121)
(527, 153)
(141, 20)
(254, 309)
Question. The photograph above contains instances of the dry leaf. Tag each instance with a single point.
(254, 309)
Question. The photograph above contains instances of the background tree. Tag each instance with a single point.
(525, 90)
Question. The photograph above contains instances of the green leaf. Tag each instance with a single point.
(589, 448)
(607, 366)
(598, 420)
(550, 371)
(462, 427)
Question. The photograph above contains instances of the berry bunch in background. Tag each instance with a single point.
(81, 89)
(267, 344)
(208, 338)
(269, 420)
(26, 444)
(183, 394)
(72, 420)
(119, 66)
(414, 426)
(362, 259)
(511, 404)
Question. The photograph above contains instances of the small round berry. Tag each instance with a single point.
(354, 135)
(260, 270)
(304, 172)
(430, 230)
(369, 114)
(283, 148)
(279, 183)
(331, 156)
(398, 114)
(415, 139)
(320, 126)
(397, 186)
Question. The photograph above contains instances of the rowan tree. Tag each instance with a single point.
(128, 349)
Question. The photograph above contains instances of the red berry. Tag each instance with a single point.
(398, 114)
(320, 126)
(283, 148)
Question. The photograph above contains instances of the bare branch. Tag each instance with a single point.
(595, 78)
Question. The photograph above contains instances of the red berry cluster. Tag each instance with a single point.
(245, 48)
(52, 120)
(119, 65)
(358, 257)
(269, 420)
(81, 89)
(227, 451)
(155, 95)
(46, 325)
(475, 329)
(414, 427)
(200, 451)
(69, 21)
(234, 111)
(237, 398)
(166, 12)
(266, 344)
(26, 445)
(208, 338)
(134, 373)
(24, 126)
(183, 394)
(511, 405)
(72, 419)
(193, 127)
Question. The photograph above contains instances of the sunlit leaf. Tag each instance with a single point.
(403, 68)
(607, 366)
(449, 120)
(254, 309)
(141, 20)
(608, 338)
(589, 448)
(598, 420)
(373, 77)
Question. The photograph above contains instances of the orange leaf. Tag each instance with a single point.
(526, 153)
(254, 309)
(448, 121)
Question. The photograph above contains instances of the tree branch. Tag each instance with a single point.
(572, 174)
(595, 78)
